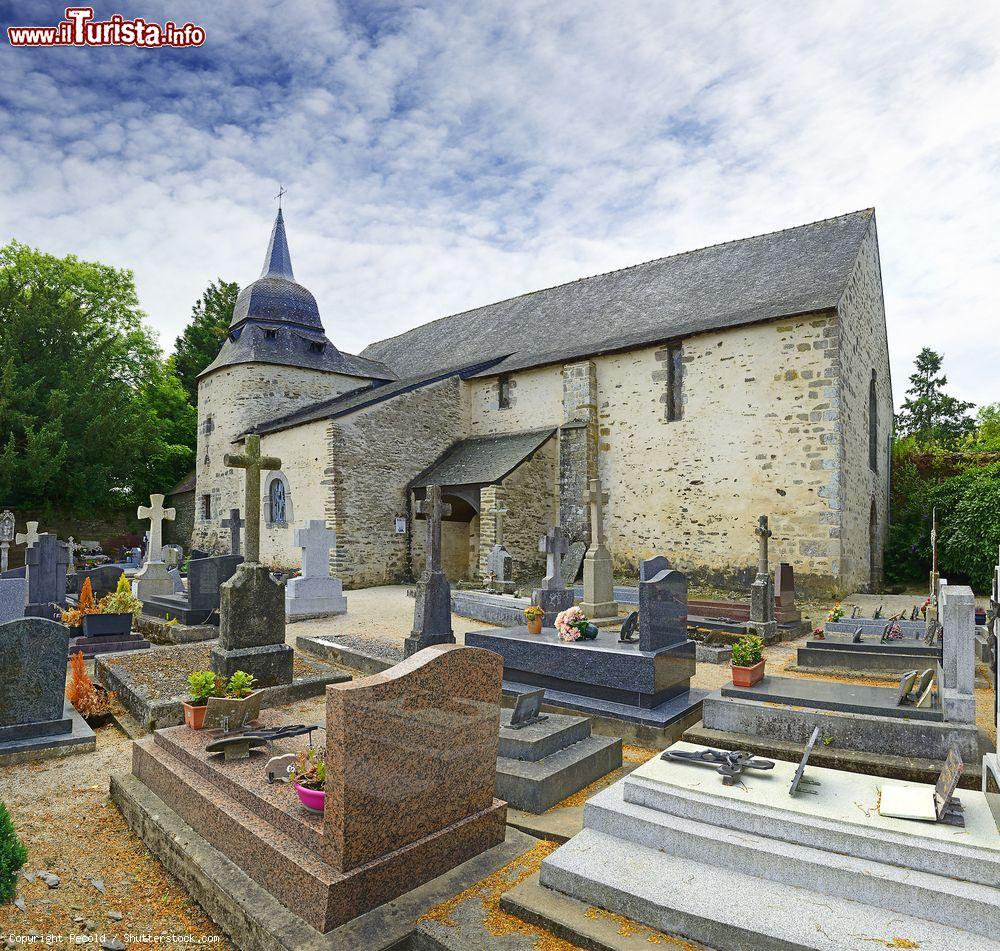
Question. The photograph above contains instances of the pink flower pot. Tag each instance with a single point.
(314, 799)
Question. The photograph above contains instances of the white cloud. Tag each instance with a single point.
(451, 154)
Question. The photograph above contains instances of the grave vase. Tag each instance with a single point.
(194, 716)
(535, 625)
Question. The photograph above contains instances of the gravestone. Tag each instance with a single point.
(432, 613)
(234, 523)
(13, 598)
(598, 583)
(36, 720)
(46, 565)
(133, 559)
(662, 606)
(201, 602)
(152, 579)
(553, 596)
(762, 621)
(499, 564)
(784, 586)
(573, 562)
(177, 580)
(6, 537)
(103, 579)
(315, 593)
(958, 618)
(173, 556)
(252, 603)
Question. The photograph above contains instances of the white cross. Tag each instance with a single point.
(29, 537)
(156, 513)
(315, 540)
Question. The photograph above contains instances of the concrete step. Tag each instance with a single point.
(535, 786)
(729, 910)
(968, 905)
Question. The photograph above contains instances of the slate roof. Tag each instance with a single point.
(482, 459)
(276, 320)
(799, 270)
(186, 484)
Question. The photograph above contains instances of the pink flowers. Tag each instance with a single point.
(571, 623)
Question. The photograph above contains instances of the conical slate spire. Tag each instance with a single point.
(278, 262)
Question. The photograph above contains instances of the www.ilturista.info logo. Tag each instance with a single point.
(80, 29)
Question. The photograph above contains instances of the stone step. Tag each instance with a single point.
(538, 740)
(92, 646)
(952, 857)
(941, 899)
(729, 910)
(535, 786)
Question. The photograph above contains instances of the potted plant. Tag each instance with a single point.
(116, 612)
(85, 607)
(534, 615)
(748, 661)
(573, 625)
(202, 684)
(309, 778)
(91, 701)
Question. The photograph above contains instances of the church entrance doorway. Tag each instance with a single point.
(457, 533)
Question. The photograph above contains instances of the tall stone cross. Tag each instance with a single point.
(498, 513)
(553, 545)
(433, 509)
(29, 537)
(156, 514)
(596, 499)
(6, 536)
(234, 523)
(315, 540)
(763, 533)
(255, 464)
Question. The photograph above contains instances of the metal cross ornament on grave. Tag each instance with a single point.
(156, 514)
(763, 533)
(316, 541)
(554, 546)
(433, 509)
(28, 537)
(596, 499)
(234, 523)
(254, 463)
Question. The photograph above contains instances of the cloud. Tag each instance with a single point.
(445, 155)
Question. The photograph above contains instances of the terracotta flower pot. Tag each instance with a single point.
(748, 676)
(535, 625)
(314, 799)
(194, 717)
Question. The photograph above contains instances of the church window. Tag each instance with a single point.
(206, 507)
(208, 427)
(674, 397)
(872, 425)
(503, 386)
(270, 334)
(317, 346)
(278, 501)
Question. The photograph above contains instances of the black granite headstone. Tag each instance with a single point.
(662, 607)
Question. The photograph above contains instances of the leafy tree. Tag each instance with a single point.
(987, 437)
(87, 409)
(929, 414)
(199, 343)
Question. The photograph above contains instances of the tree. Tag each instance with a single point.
(928, 414)
(199, 343)
(987, 437)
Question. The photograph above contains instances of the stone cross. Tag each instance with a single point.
(596, 499)
(6, 536)
(156, 513)
(498, 513)
(29, 537)
(234, 523)
(315, 540)
(254, 463)
(553, 545)
(433, 509)
(763, 533)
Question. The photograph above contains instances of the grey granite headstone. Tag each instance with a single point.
(173, 555)
(573, 562)
(662, 608)
(178, 581)
(432, 612)
(651, 567)
(103, 580)
(46, 563)
(784, 586)
(32, 678)
(553, 596)
(21, 572)
(206, 576)
(13, 598)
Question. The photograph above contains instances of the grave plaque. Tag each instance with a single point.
(799, 784)
(527, 709)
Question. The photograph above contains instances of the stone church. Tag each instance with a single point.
(704, 389)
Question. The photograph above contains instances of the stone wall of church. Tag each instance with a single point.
(229, 401)
(374, 454)
(864, 349)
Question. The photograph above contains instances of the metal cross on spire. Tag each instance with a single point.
(281, 192)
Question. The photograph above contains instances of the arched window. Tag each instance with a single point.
(278, 501)
(872, 425)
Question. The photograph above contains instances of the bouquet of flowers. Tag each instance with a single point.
(572, 624)
(836, 613)
(893, 632)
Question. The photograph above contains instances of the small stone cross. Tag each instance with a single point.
(29, 537)
(433, 509)
(255, 464)
(763, 533)
(156, 514)
(234, 523)
(499, 512)
(315, 540)
(596, 499)
(554, 546)
(7, 526)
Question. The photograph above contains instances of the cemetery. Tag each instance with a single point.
(647, 605)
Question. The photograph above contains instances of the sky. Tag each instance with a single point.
(439, 156)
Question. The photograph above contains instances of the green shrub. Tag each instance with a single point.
(13, 855)
(747, 651)
(241, 684)
(204, 684)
